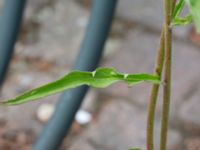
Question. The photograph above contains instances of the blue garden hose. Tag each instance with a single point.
(90, 53)
(10, 21)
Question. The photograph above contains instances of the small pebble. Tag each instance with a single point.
(82, 22)
(83, 117)
(26, 80)
(44, 112)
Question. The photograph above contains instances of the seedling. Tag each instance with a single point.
(104, 77)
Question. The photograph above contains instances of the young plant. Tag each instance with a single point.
(104, 77)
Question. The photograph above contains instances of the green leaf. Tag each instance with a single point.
(178, 8)
(100, 78)
(134, 149)
(176, 19)
(194, 7)
(182, 21)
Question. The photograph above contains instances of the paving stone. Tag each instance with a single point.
(90, 101)
(81, 144)
(33, 7)
(189, 114)
(192, 143)
(24, 116)
(61, 29)
(111, 47)
(1, 4)
(142, 11)
(134, 57)
(185, 74)
(122, 126)
(148, 13)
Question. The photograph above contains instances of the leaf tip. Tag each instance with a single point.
(3, 103)
(134, 149)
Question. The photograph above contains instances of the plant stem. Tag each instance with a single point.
(167, 74)
(155, 89)
(154, 93)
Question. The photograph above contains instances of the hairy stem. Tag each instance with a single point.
(167, 74)
(154, 93)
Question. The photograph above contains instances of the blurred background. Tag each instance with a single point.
(113, 118)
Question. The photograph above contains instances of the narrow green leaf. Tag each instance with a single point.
(100, 78)
(134, 149)
(178, 8)
(194, 7)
